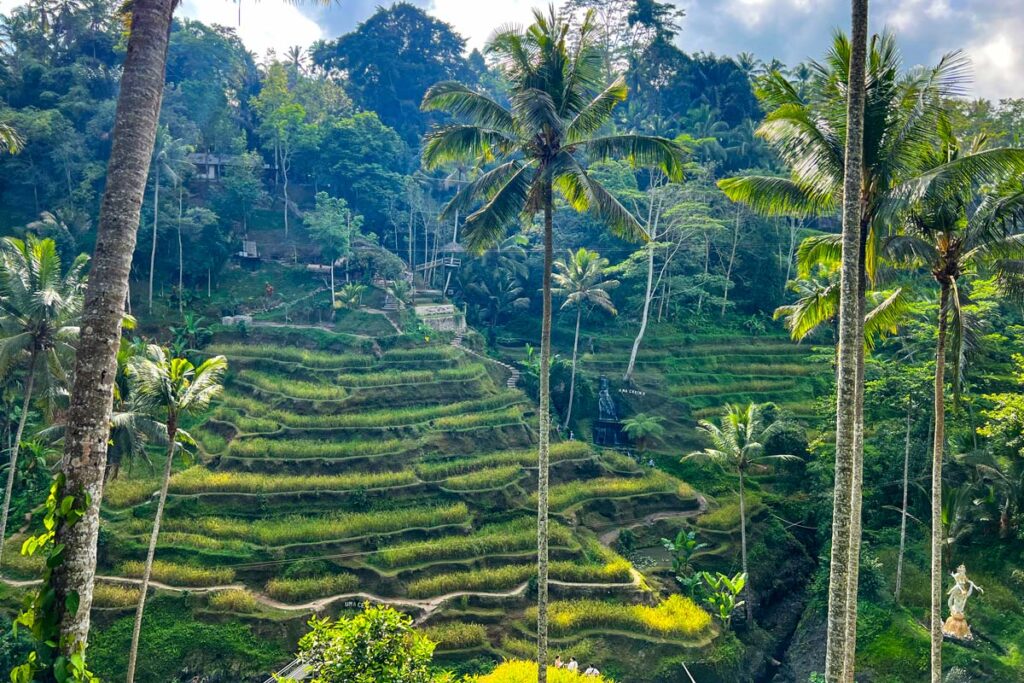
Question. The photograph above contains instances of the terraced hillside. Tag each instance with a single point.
(347, 473)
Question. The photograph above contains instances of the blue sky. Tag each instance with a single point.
(989, 31)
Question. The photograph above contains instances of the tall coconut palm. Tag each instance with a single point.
(956, 232)
(737, 444)
(538, 145)
(39, 309)
(818, 131)
(170, 388)
(580, 279)
(85, 443)
(170, 160)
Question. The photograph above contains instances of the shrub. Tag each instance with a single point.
(201, 480)
(307, 588)
(233, 600)
(175, 574)
(299, 449)
(573, 492)
(495, 477)
(293, 388)
(338, 526)
(114, 595)
(123, 492)
(455, 635)
(494, 579)
(520, 671)
(676, 616)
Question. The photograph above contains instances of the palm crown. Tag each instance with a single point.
(175, 387)
(556, 108)
(741, 438)
(580, 279)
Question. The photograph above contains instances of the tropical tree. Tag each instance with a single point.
(957, 232)
(169, 389)
(864, 157)
(580, 279)
(558, 106)
(39, 309)
(333, 225)
(643, 429)
(738, 444)
(170, 160)
(85, 443)
(350, 296)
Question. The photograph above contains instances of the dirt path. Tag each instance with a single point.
(611, 535)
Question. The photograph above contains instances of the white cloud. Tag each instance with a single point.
(476, 20)
(268, 24)
(998, 61)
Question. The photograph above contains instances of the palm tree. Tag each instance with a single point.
(39, 308)
(85, 443)
(170, 158)
(169, 389)
(900, 114)
(738, 444)
(580, 279)
(643, 429)
(558, 105)
(955, 234)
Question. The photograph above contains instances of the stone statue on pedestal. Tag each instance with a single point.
(956, 626)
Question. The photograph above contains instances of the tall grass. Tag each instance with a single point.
(577, 491)
(114, 595)
(494, 477)
(293, 388)
(616, 571)
(233, 600)
(298, 449)
(201, 480)
(498, 418)
(338, 526)
(676, 616)
(741, 387)
(522, 671)
(310, 587)
(124, 492)
(455, 635)
(175, 574)
(441, 469)
(427, 353)
(177, 539)
(322, 360)
(401, 378)
(499, 578)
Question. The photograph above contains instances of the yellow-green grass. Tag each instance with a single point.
(175, 574)
(726, 517)
(441, 469)
(508, 537)
(170, 539)
(739, 387)
(124, 492)
(114, 595)
(293, 388)
(339, 526)
(233, 600)
(677, 616)
(615, 571)
(198, 479)
(489, 579)
(400, 378)
(299, 449)
(496, 418)
(291, 354)
(494, 477)
(618, 461)
(297, 590)
(570, 493)
(456, 635)
(521, 671)
(423, 353)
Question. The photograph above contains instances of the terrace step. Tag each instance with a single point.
(513, 377)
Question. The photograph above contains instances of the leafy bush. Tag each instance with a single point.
(233, 600)
(299, 529)
(455, 635)
(306, 588)
(175, 574)
(201, 480)
(114, 595)
(494, 579)
(675, 616)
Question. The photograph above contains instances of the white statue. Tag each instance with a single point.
(956, 626)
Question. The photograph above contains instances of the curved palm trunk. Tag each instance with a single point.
(743, 552)
(849, 323)
(732, 260)
(937, 450)
(156, 222)
(575, 352)
(181, 255)
(88, 425)
(148, 570)
(542, 451)
(644, 317)
(903, 513)
(13, 463)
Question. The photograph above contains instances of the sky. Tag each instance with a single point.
(988, 31)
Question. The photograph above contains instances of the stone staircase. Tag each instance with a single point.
(513, 372)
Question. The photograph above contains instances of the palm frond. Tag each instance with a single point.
(462, 142)
(772, 196)
(597, 112)
(641, 151)
(486, 226)
(461, 101)
(584, 193)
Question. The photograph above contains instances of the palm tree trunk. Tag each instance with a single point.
(13, 462)
(707, 265)
(644, 317)
(572, 380)
(743, 552)
(88, 424)
(156, 222)
(938, 446)
(181, 257)
(849, 324)
(147, 571)
(284, 190)
(544, 440)
(732, 260)
(903, 512)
